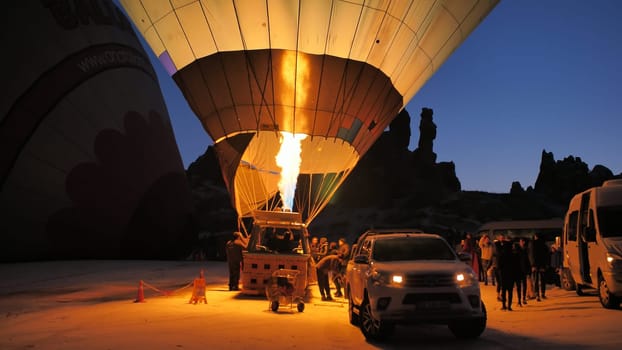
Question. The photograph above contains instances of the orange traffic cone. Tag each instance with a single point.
(198, 290)
(140, 297)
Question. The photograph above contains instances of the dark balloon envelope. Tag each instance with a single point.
(337, 71)
(89, 166)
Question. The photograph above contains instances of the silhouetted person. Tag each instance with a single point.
(314, 246)
(343, 249)
(343, 252)
(283, 241)
(539, 260)
(322, 249)
(554, 266)
(487, 249)
(234, 248)
(468, 247)
(496, 272)
(508, 268)
(524, 271)
(330, 264)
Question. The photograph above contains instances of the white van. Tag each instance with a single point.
(592, 242)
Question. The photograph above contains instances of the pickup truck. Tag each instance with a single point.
(406, 277)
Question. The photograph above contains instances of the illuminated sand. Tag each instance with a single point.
(90, 305)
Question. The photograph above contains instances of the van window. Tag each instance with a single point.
(610, 221)
(590, 232)
(572, 226)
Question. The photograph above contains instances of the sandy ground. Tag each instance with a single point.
(90, 305)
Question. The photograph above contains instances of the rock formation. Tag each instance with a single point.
(560, 180)
(393, 186)
(424, 154)
(390, 172)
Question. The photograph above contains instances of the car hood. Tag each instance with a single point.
(427, 266)
(613, 245)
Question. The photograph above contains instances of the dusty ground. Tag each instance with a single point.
(90, 305)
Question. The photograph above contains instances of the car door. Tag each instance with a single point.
(352, 268)
(358, 271)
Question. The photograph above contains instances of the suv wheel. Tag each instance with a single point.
(372, 328)
(469, 328)
(608, 300)
(353, 317)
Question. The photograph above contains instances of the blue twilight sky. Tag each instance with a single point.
(535, 75)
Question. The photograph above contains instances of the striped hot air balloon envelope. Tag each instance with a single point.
(330, 73)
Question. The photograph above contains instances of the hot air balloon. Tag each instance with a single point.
(89, 165)
(318, 79)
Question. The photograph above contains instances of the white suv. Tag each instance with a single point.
(405, 277)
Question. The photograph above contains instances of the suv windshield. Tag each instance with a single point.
(411, 248)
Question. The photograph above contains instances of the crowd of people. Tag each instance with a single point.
(330, 262)
(524, 265)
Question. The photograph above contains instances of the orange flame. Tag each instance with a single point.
(289, 159)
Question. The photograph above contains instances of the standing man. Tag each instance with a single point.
(343, 252)
(496, 272)
(524, 271)
(234, 249)
(539, 259)
(314, 246)
(487, 249)
(343, 249)
(508, 267)
(322, 249)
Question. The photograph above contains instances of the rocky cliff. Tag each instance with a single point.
(404, 188)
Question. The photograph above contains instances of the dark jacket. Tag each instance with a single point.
(505, 258)
(330, 263)
(234, 250)
(344, 251)
(508, 260)
(538, 253)
(523, 260)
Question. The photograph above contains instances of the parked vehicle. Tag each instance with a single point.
(547, 229)
(592, 243)
(398, 277)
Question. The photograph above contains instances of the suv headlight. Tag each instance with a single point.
(383, 278)
(397, 279)
(466, 278)
(614, 261)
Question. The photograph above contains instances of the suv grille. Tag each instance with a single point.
(429, 280)
(412, 298)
